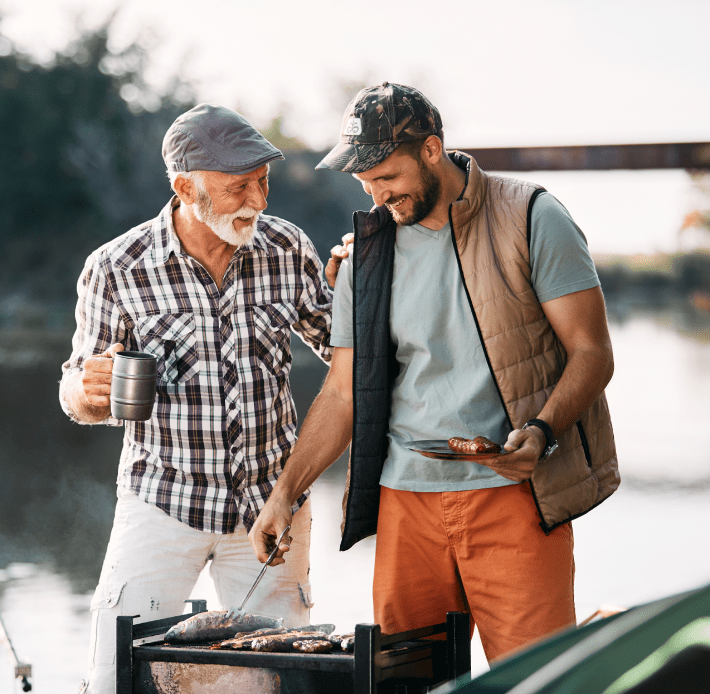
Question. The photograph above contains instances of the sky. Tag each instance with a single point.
(503, 73)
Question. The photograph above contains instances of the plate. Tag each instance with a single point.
(439, 450)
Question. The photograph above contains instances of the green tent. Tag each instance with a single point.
(662, 646)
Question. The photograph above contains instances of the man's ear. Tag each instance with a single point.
(433, 150)
(185, 190)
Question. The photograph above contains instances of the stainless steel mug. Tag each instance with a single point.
(133, 384)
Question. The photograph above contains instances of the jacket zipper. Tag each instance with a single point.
(475, 319)
(546, 529)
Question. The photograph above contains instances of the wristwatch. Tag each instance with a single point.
(550, 440)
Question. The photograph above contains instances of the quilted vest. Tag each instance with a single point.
(490, 227)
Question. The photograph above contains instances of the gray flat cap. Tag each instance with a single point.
(215, 138)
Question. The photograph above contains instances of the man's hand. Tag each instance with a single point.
(96, 377)
(337, 255)
(523, 450)
(272, 521)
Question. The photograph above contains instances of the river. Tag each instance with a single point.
(57, 496)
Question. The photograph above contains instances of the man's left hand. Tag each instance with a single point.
(523, 450)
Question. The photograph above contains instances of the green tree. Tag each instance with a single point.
(80, 150)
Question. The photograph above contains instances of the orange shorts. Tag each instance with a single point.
(479, 551)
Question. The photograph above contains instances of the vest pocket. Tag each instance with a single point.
(585, 443)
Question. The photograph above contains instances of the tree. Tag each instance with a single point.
(80, 146)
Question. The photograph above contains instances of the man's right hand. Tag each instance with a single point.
(272, 521)
(96, 376)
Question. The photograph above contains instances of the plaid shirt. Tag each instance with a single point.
(224, 421)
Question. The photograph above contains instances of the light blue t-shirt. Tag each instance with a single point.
(444, 387)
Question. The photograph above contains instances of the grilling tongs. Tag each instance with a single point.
(238, 612)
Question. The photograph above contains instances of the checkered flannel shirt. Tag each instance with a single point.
(224, 420)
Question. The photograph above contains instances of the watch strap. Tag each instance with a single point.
(545, 428)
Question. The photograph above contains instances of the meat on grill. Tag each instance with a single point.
(243, 641)
(317, 646)
(284, 642)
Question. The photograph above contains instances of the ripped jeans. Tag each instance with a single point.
(152, 564)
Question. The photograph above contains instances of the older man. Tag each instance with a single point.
(213, 288)
(470, 306)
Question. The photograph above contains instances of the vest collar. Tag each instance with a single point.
(474, 193)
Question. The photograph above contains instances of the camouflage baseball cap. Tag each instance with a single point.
(376, 122)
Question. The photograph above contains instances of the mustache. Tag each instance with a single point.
(246, 213)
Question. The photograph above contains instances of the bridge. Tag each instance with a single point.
(693, 156)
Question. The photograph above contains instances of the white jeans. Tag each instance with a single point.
(152, 564)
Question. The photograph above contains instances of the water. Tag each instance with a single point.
(56, 498)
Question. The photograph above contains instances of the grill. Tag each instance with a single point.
(404, 663)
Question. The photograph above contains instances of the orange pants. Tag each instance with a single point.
(479, 551)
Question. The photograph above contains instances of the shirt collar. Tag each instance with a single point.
(167, 242)
(165, 238)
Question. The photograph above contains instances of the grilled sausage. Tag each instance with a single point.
(313, 646)
(473, 446)
(284, 642)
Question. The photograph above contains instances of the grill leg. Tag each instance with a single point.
(124, 655)
(458, 644)
(366, 673)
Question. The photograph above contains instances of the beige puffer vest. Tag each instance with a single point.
(490, 224)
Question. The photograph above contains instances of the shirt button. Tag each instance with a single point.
(233, 450)
(232, 406)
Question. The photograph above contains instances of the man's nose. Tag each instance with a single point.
(256, 198)
(378, 191)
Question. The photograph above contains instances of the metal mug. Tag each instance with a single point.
(133, 384)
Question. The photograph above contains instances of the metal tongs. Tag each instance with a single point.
(272, 556)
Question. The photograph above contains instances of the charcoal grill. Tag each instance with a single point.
(404, 663)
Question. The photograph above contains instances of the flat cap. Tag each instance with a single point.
(215, 138)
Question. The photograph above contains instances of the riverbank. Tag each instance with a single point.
(57, 491)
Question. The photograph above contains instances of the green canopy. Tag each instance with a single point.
(618, 654)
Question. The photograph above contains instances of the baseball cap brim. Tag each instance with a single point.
(352, 158)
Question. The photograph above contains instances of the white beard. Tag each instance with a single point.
(221, 224)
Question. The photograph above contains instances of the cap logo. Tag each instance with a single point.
(353, 127)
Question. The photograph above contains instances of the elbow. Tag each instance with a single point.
(609, 372)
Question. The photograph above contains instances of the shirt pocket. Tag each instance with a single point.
(272, 333)
(172, 339)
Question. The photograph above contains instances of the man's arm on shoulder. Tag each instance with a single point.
(579, 321)
(325, 434)
(315, 304)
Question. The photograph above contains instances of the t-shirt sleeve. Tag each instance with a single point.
(341, 331)
(559, 256)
